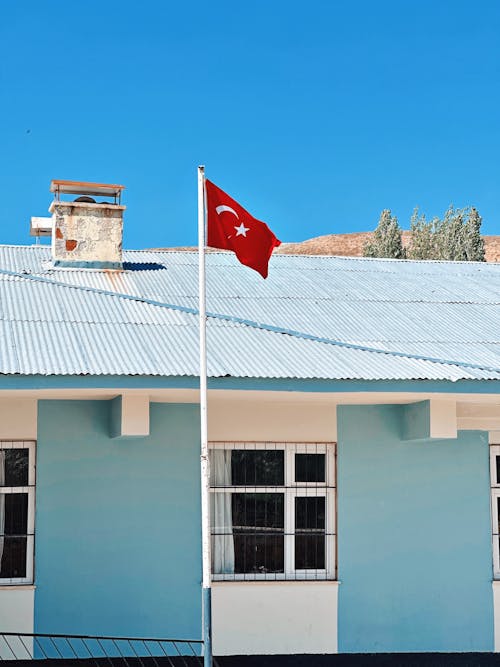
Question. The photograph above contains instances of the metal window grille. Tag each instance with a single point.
(495, 506)
(17, 511)
(273, 511)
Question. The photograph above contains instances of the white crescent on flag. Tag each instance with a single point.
(222, 208)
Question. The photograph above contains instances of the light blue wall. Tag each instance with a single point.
(414, 537)
(117, 523)
(416, 420)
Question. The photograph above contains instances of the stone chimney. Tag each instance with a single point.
(87, 233)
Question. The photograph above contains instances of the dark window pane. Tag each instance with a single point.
(309, 467)
(16, 467)
(309, 513)
(258, 529)
(255, 553)
(309, 533)
(497, 479)
(258, 511)
(498, 513)
(258, 467)
(13, 561)
(16, 513)
(310, 552)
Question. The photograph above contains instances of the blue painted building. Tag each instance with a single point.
(354, 422)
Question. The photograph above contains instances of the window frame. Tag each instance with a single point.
(30, 491)
(495, 495)
(291, 490)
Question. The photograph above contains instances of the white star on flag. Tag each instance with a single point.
(242, 230)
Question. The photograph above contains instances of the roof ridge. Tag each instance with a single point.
(343, 258)
(251, 323)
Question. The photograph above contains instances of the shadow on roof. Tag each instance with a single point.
(143, 266)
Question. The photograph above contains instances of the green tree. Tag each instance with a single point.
(474, 243)
(455, 237)
(423, 237)
(386, 240)
(450, 235)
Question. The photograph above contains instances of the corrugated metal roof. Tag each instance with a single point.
(314, 317)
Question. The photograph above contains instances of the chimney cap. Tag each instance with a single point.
(84, 188)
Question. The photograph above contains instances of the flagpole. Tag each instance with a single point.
(205, 490)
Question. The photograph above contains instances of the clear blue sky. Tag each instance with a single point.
(314, 115)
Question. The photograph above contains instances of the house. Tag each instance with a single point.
(354, 421)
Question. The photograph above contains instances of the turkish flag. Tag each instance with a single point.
(230, 227)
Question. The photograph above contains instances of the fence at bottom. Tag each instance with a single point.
(101, 650)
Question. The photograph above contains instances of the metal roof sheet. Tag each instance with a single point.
(314, 317)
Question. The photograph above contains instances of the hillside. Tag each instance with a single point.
(351, 245)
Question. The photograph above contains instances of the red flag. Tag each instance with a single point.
(230, 227)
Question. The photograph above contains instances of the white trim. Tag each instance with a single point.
(291, 582)
(316, 582)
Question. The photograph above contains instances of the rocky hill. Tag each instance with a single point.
(351, 245)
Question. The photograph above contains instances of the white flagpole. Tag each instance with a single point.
(205, 480)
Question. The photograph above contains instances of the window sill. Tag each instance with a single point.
(279, 582)
(16, 587)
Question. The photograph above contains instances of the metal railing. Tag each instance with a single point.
(101, 650)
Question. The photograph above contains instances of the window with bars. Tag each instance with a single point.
(272, 508)
(495, 506)
(17, 511)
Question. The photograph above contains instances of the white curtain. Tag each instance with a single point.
(221, 513)
(2, 504)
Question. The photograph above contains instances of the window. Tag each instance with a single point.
(272, 508)
(495, 506)
(17, 511)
